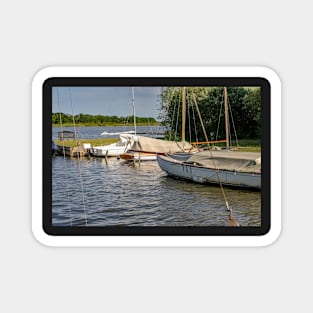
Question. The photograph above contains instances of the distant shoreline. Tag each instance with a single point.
(103, 125)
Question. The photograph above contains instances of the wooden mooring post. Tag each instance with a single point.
(78, 151)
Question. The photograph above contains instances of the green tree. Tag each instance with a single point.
(244, 112)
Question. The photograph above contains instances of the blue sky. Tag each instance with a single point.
(107, 100)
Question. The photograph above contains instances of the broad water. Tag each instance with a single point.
(96, 193)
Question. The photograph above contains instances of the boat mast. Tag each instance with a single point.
(134, 112)
(183, 113)
(226, 118)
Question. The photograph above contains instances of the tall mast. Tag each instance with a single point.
(183, 114)
(134, 112)
(226, 118)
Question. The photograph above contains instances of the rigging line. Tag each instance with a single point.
(199, 114)
(134, 111)
(172, 122)
(175, 104)
(178, 111)
(78, 159)
(229, 134)
(194, 122)
(126, 121)
(231, 219)
(64, 162)
(232, 118)
(151, 131)
(175, 114)
(188, 113)
(219, 118)
(172, 137)
(229, 128)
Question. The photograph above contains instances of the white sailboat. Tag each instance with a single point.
(114, 149)
(231, 168)
(146, 149)
(123, 145)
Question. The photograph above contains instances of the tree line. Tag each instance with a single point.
(244, 112)
(99, 120)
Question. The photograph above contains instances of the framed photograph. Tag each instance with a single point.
(156, 156)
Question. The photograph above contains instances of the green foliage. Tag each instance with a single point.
(244, 112)
(98, 120)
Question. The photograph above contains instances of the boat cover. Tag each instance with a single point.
(245, 162)
(153, 145)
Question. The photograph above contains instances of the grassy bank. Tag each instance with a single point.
(244, 145)
(248, 149)
(93, 142)
(250, 145)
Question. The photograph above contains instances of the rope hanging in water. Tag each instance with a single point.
(78, 159)
(64, 162)
(231, 219)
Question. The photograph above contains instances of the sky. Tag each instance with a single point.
(106, 100)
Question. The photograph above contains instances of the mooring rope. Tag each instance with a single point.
(78, 159)
(64, 161)
(231, 219)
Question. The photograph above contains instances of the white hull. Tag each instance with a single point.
(114, 149)
(203, 175)
(110, 150)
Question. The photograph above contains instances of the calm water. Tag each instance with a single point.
(95, 132)
(99, 194)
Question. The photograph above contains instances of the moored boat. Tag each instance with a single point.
(238, 169)
(114, 149)
(147, 149)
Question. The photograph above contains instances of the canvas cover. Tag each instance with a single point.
(153, 145)
(246, 162)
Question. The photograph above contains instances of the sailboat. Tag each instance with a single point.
(238, 169)
(114, 149)
(117, 148)
(146, 148)
(128, 155)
